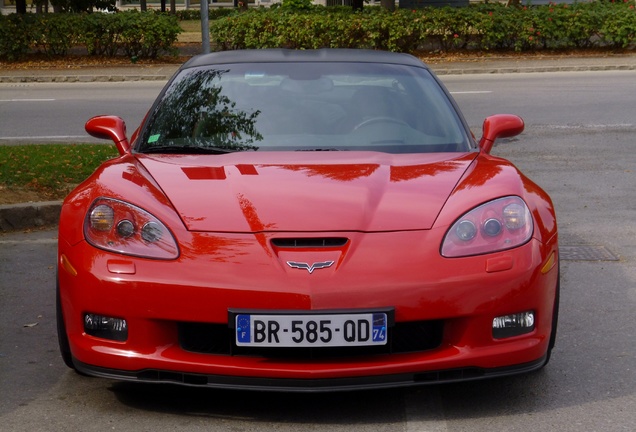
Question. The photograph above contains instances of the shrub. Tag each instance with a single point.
(486, 26)
(619, 27)
(15, 36)
(130, 33)
(56, 34)
(146, 35)
(195, 14)
(101, 34)
(297, 4)
(296, 24)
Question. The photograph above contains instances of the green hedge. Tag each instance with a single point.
(195, 14)
(487, 26)
(15, 36)
(130, 33)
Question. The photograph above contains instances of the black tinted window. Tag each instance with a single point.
(304, 106)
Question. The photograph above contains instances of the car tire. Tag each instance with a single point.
(62, 337)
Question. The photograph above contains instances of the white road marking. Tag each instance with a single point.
(27, 100)
(590, 126)
(471, 92)
(38, 241)
(50, 137)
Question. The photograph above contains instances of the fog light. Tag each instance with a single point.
(106, 327)
(512, 325)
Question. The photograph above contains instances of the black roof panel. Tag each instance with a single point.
(288, 55)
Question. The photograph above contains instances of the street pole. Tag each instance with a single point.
(205, 27)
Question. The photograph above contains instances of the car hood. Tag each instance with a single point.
(300, 191)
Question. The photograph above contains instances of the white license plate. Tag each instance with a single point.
(311, 330)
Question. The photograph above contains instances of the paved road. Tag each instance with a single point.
(602, 100)
(50, 112)
(46, 112)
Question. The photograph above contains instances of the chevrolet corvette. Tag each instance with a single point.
(306, 221)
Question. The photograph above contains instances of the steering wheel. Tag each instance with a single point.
(379, 119)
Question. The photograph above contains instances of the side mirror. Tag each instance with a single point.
(499, 126)
(109, 127)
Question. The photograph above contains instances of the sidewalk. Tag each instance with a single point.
(477, 65)
(89, 74)
(535, 64)
(32, 215)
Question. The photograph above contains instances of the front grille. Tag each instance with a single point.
(205, 338)
(219, 339)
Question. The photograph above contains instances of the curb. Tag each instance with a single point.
(15, 217)
(534, 69)
(79, 78)
(438, 69)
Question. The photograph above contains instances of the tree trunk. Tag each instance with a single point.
(143, 5)
(20, 6)
(357, 5)
(388, 4)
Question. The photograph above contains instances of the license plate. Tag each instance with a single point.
(311, 330)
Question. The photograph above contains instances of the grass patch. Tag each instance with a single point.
(191, 26)
(50, 170)
(191, 31)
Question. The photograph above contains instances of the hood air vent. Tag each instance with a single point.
(310, 242)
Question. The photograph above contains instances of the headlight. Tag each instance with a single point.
(498, 225)
(121, 227)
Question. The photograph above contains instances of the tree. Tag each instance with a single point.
(388, 4)
(20, 6)
(196, 109)
(41, 6)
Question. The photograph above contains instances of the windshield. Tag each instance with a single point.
(304, 106)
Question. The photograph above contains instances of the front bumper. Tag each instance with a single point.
(157, 297)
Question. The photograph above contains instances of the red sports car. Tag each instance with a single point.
(306, 221)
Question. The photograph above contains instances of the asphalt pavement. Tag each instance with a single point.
(33, 215)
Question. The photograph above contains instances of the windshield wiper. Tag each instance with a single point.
(181, 149)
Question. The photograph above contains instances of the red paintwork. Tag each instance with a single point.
(352, 192)
(224, 210)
